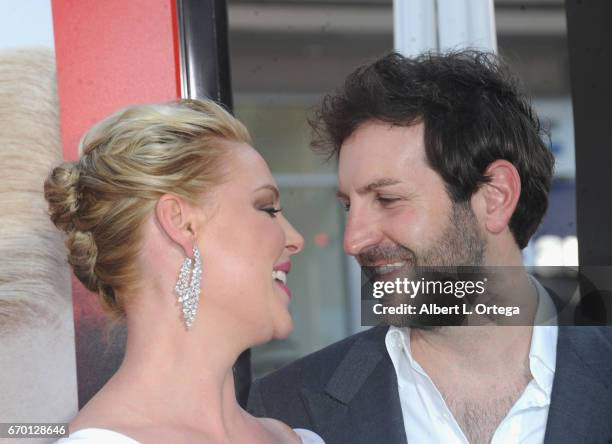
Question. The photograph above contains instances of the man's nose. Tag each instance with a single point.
(361, 232)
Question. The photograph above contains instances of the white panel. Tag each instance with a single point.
(481, 24)
(453, 30)
(558, 114)
(466, 23)
(26, 23)
(414, 26)
(421, 25)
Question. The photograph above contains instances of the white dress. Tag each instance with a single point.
(104, 436)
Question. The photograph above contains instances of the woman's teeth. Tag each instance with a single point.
(279, 275)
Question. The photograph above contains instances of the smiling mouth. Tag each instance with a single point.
(386, 271)
(382, 269)
(280, 276)
(387, 268)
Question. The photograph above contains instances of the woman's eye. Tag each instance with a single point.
(272, 211)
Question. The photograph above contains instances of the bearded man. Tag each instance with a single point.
(441, 162)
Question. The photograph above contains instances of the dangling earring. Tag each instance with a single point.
(188, 290)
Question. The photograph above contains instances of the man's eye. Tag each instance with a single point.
(272, 211)
(345, 206)
(387, 200)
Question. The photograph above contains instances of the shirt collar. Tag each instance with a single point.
(543, 351)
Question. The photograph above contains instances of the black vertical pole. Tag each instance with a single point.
(204, 47)
(590, 55)
(205, 73)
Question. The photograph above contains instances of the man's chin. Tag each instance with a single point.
(430, 311)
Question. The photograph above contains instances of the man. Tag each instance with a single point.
(442, 163)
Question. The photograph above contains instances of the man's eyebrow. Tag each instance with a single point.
(372, 186)
(341, 196)
(271, 188)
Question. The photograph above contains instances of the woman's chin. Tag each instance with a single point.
(281, 329)
(284, 328)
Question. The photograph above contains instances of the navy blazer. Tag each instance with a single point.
(347, 392)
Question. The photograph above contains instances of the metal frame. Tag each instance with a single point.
(204, 50)
(590, 46)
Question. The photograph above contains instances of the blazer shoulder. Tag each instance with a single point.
(586, 334)
(316, 368)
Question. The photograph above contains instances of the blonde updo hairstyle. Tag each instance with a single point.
(128, 161)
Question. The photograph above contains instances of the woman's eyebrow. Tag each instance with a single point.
(271, 188)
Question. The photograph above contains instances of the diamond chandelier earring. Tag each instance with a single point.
(188, 286)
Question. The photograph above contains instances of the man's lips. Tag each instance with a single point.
(391, 264)
(387, 269)
(386, 266)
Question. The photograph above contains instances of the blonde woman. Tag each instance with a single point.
(175, 221)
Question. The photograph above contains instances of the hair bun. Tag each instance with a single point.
(83, 254)
(61, 191)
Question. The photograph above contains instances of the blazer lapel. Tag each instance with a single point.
(581, 399)
(360, 402)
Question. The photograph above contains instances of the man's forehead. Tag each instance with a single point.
(383, 144)
(377, 154)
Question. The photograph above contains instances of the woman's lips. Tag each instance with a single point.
(284, 287)
(285, 266)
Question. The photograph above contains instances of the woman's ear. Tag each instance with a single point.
(176, 219)
(500, 195)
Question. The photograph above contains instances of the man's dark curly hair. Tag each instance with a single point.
(473, 112)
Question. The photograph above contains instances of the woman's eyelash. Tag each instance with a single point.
(272, 211)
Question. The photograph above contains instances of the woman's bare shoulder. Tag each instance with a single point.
(280, 430)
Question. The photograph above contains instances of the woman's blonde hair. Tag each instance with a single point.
(127, 162)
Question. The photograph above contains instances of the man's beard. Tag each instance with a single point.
(458, 253)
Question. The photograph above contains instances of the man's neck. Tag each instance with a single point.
(487, 349)
(481, 345)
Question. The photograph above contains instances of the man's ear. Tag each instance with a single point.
(175, 218)
(500, 195)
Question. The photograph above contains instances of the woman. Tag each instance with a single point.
(174, 219)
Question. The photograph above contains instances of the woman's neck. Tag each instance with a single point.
(183, 378)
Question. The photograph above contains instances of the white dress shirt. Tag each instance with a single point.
(427, 418)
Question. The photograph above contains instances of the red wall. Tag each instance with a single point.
(110, 54)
